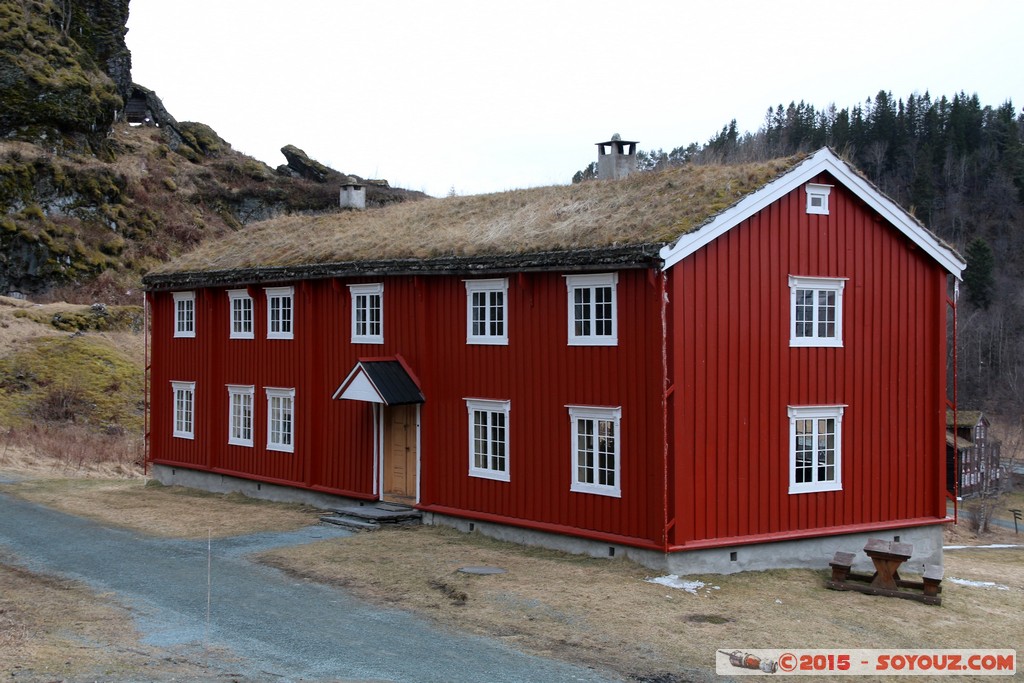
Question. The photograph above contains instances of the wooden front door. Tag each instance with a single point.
(400, 454)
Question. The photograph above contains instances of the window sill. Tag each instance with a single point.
(796, 489)
(607, 491)
(811, 343)
(486, 341)
(487, 474)
(593, 341)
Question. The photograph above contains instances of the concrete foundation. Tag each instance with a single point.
(223, 483)
(810, 553)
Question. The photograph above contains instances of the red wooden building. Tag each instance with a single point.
(706, 368)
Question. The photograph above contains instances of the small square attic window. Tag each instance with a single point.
(817, 198)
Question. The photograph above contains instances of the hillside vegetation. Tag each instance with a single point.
(88, 203)
(93, 226)
(71, 386)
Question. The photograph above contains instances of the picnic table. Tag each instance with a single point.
(887, 557)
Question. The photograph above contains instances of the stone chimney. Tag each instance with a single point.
(615, 158)
(353, 194)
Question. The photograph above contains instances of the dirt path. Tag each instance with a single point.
(255, 622)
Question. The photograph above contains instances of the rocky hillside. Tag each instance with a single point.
(90, 201)
(65, 71)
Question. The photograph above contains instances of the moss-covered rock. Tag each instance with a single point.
(56, 65)
(95, 318)
(311, 169)
(202, 139)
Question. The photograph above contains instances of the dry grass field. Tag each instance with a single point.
(605, 614)
(59, 627)
(170, 511)
(597, 612)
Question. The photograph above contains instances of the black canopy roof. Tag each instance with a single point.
(388, 379)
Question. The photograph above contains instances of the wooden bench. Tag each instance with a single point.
(931, 580)
(841, 564)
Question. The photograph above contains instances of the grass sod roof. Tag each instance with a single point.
(595, 223)
(964, 418)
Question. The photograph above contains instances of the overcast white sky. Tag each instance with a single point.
(487, 96)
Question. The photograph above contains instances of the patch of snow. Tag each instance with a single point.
(978, 584)
(673, 581)
(994, 546)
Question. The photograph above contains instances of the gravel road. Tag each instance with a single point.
(262, 625)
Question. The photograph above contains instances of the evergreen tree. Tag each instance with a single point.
(978, 277)
(723, 145)
(588, 173)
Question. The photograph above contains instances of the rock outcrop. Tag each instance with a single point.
(98, 181)
(65, 70)
(301, 166)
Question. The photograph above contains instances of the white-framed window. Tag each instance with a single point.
(184, 314)
(816, 311)
(596, 454)
(817, 198)
(184, 409)
(280, 312)
(593, 317)
(487, 311)
(281, 420)
(815, 448)
(367, 313)
(241, 314)
(488, 438)
(240, 414)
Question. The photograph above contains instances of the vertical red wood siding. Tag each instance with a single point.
(541, 375)
(425, 322)
(735, 374)
(724, 443)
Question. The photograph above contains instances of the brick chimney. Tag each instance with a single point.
(616, 158)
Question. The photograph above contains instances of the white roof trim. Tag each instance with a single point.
(821, 161)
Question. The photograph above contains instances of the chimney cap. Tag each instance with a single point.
(349, 181)
(618, 139)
